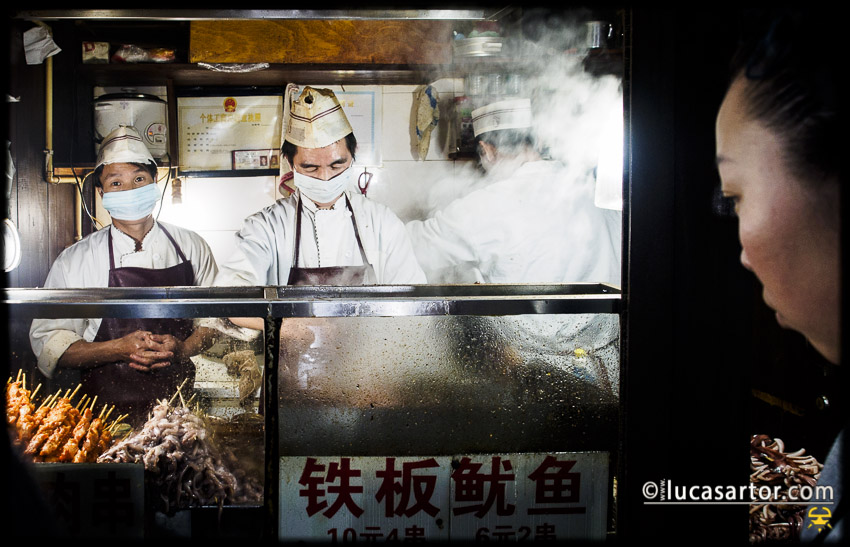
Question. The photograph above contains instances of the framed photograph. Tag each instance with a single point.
(256, 159)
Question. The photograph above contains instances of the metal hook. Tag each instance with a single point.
(360, 181)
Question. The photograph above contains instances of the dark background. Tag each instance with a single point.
(699, 341)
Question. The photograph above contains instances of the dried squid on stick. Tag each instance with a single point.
(189, 470)
(779, 518)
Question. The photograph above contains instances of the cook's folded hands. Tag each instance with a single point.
(147, 352)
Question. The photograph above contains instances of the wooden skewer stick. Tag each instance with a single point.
(20, 371)
(75, 392)
(102, 411)
(108, 413)
(45, 401)
(180, 387)
(24, 382)
(80, 403)
(116, 422)
(32, 395)
(49, 400)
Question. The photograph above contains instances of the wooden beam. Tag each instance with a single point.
(321, 41)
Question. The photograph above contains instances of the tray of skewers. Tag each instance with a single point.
(54, 428)
(184, 463)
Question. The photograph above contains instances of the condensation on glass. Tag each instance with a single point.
(448, 384)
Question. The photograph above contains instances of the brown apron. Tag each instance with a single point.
(130, 390)
(345, 276)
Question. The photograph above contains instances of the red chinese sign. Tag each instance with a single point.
(483, 497)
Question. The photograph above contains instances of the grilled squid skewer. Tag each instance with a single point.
(779, 518)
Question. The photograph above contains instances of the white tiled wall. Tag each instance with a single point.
(403, 180)
(215, 207)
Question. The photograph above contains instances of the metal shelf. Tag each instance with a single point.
(454, 14)
(315, 301)
(192, 74)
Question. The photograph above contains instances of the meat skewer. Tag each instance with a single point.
(52, 421)
(72, 445)
(27, 408)
(19, 406)
(54, 430)
(59, 436)
(90, 442)
(16, 396)
(31, 424)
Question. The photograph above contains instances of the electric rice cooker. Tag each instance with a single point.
(147, 114)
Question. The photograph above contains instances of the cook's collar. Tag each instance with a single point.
(121, 239)
(309, 205)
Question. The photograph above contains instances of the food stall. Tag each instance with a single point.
(395, 412)
(436, 401)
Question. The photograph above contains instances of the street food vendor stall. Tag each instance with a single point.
(474, 405)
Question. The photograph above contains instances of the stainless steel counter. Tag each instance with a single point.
(315, 301)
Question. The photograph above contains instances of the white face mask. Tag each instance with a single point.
(131, 204)
(323, 191)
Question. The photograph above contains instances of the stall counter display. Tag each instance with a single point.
(181, 452)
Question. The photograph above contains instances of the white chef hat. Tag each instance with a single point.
(316, 119)
(123, 145)
(509, 114)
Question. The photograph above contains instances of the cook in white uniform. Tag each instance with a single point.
(534, 222)
(342, 238)
(134, 251)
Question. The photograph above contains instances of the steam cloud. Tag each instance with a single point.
(573, 113)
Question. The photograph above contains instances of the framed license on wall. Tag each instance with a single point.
(229, 134)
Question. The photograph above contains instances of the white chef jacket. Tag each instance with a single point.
(265, 244)
(539, 225)
(86, 265)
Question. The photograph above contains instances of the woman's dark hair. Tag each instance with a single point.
(288, 150)
(149, 167)
(791, 67)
